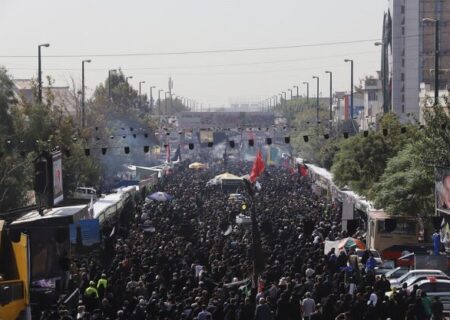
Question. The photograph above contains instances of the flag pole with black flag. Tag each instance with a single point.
(177, 155)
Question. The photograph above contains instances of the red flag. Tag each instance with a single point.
(258, 167)
(168, 153)
(303, 170)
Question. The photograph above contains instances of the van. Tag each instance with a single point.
(85, 193)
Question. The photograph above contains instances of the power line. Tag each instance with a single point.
(268, 48)
(195, 52)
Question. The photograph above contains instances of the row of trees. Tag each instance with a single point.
(392, 166)
(28, 128)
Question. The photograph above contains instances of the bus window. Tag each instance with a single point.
(402, 227)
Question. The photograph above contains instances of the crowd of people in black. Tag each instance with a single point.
(189, 259)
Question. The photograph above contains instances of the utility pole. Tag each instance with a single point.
(82, 93)
(40, 71)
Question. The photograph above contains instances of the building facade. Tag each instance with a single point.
(408, 52)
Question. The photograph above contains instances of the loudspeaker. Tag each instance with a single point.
(403, 130)
(385, 132)
(305, 138)
(210, 144)
(104, 151)
(366, 133)
(269, 141)
(326, 136)
(231, 143)
(126, 150)
(345, 135)
(146, 149)
(87, 152)
(251, 142)
(191, 146)
(390, 225)
(287, 139)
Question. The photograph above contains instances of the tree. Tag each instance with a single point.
(407, 186)
(13, 166)
(361, 161)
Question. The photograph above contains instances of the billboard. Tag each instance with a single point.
(57, 178)
(442, 189)
(199, 120)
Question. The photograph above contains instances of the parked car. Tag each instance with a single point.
(436, 288)
(397, 283)
(396, 273)
(85, 193)
(414, 280)
(376, 255)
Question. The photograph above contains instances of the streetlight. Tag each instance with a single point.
(129, 77)
(151, 96)
(82, 92)
(317, 98)
(40, 71)
(109, 83)
(436, 58)
(159, 99)
(331, 94)
(140, 97)
(296, 98)
(307, 93)
(351, 87)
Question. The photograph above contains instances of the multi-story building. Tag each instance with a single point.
(373, 102)
(409, 52)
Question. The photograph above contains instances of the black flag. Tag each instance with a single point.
(177, 155)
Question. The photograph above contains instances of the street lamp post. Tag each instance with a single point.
(296, 98)
(40, 71)
(109, 83)
(82, 93)
(436, 58)
(140, 97)
(159, 99)
(317, 98)
(331, 95)
(151, 96)
(351, 86)
(307, 93)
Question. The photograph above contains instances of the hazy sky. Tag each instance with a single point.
(85, 28)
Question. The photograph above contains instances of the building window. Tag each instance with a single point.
(403, 31)
(402, 9)
(403, 98)
(372, 95)
(403, 108)
(402, 77)
(403, 63)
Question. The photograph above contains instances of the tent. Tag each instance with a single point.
(197, 166)
(227, 176)
(349, 243)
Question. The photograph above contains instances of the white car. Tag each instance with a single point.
(85, 193)
(436, 288)
(376, 255)
(396, 273)
(414, 280)
(397, 283)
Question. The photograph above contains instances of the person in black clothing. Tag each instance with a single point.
(437, 309)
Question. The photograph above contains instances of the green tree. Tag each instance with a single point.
(13, 165)
(407, 185)
(361, 161)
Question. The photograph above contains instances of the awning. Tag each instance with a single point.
(61, 215)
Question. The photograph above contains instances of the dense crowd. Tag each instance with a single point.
(188, 259)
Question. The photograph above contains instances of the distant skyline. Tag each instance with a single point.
(217, 79)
